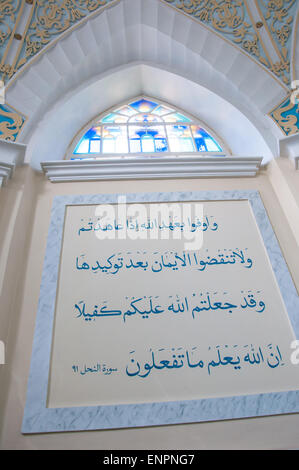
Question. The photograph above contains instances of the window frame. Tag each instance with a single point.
(194, 121)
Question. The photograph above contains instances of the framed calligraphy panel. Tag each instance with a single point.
(162, 308)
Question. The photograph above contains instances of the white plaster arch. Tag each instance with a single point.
(150, 33)
(56, 129)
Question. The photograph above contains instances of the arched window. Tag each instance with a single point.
(146, 127)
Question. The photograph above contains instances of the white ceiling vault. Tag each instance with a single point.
(165, 49)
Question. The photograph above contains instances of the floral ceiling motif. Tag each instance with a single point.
(233, 19)
(279, 16)
(27, 27)
(46, 20)
(11, 123)
(286, 116)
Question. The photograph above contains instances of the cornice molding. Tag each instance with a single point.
(119, 168)
(11, 155)
(6, 171)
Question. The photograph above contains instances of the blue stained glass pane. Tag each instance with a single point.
(203, 141)
(176, 117)
(95, 146)
(180, 139)
(162, 110)
(83, 146)
(114, 118)
(147, 139)
(145, 118)
(212, 146)
(93, 132)
(199, 134)
(115, 139)
(200, 144)
(144, 106)
(126, 110)
(148, 143)
(147, 134)
(160, 139)
(135, 145)
(161, 144)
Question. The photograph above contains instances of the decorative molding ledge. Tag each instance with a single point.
(116, 168)
(12, 152)
(6, 171)
(296, 163)
(11, 155)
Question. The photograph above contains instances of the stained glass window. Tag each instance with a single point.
(144, 126)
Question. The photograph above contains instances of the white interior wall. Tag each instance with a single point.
(20, 301)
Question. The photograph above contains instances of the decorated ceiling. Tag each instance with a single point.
(264, 30)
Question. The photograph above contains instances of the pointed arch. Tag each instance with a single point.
(144, 126)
